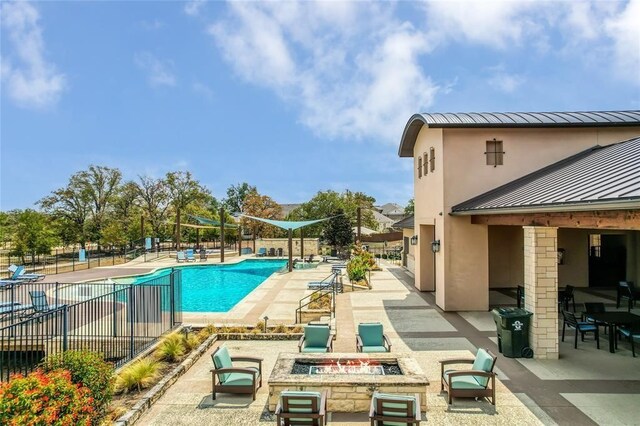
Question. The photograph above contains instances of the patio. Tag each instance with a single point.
(565, 391)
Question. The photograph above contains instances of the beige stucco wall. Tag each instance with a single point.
(311, 245)
(462, 267)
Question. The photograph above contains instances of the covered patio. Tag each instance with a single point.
(574, 223)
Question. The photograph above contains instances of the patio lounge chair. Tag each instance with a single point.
(390, 409)
(627, 290)
(231, 379)
(203, 255)
(301, 408)
(470, 383)
(316, 338)
(40, 304)
(262, 252)
(9, 284)
(180, 257)
(272, 252)
(370, 338)
(18, 273)
(325, 283)
(189, 255)
(280, 252)
(571, 321)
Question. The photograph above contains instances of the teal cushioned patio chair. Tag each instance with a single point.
(226, 378)
(262, 252)
(180, 257)
(394, 410)
(316, 338)
(470, 383)
(370, 338)
(301, 408)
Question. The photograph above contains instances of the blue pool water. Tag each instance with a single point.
(217, 288)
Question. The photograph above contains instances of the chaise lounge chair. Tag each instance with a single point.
(262, 252)
(301, 408)
(370, 338)
(325, 283)
(390, 409)
(231, 379)
(19, 273)
(189, 255)
(180, 257)
(470, 383)
(316, 338)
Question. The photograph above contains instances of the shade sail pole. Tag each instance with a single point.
(222, 235)
(290, 250)
(301, 244)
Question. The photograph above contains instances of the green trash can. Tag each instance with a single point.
(513, 332)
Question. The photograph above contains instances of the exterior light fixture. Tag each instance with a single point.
(414, 240)
(435, 246)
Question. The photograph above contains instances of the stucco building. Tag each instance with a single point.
(535, 199)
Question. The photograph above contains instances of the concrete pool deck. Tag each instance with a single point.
(585, 386)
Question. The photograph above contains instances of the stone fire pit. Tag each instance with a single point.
(350, 378)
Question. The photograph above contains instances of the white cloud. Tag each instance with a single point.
(192, 8)
(352, 69)
(504, 81)
(496, 23)
(159, 73)
(30, 81)
(624, 30)
(154, 25)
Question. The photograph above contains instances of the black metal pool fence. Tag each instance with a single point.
(118, 321)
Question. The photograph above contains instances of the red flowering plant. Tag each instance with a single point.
(45, 399)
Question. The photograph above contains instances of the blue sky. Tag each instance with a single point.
(291, 97)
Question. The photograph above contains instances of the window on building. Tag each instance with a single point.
(595, 245)
(494, 153)
(424, 166)
(419, 167)
(432, 158)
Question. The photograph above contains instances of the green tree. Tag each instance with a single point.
(408, 210)
(325, 203)
(236, 196)
(85, 203)
(154, 202)
(338, 232)
(183, 191)
(32, 234)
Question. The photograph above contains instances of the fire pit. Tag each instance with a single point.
(350, 379)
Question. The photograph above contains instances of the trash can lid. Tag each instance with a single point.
(512, 312)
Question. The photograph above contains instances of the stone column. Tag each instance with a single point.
(541, 289)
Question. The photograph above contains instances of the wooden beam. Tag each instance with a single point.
(611, 219)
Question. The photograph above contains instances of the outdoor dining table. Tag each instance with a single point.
(613, 320)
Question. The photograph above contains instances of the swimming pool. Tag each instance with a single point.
(216, 288)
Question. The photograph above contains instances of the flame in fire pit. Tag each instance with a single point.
(355, 366)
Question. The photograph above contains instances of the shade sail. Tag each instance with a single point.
(287, 224)
(205, 221)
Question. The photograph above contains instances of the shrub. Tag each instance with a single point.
(297, 329)
(361, 262)
(320, 301)
(138, 375)
(87, 369)
(280, 328)
(191, 341)
(45, 399)
(260, 325)
(207, 331)
(171, 348)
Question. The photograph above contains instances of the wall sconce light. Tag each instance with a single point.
(561, 256)
(435, 246)
(414, 240)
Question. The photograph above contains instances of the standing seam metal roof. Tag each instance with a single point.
(609, 174)
(513, 120)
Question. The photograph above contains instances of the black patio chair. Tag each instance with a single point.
(272, 252)
(571, 321)
(631, 333)
(594, 308)
(565, 296)
(627, 290)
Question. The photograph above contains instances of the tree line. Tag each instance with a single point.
(98, 206)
